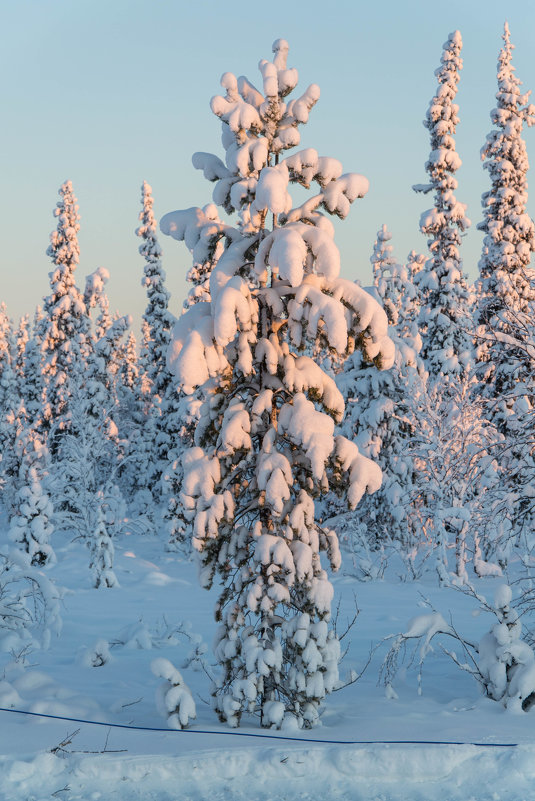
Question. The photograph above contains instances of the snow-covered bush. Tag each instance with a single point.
(502, 663)
(174, 699)
(96, 656)
(145, 636)
(506, 663)
(265, 445)
(29, 603)
(455, 479)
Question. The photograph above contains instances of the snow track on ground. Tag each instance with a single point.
(378, 773)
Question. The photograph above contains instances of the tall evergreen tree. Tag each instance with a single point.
(265, 445)
(507, 282)
(65, 316)
(159, 321)
(136, 430)
(445, 318)
(157, 316)
(506, 301)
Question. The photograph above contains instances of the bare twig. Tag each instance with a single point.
(61, 748)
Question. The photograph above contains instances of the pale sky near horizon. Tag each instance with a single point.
(108, 93)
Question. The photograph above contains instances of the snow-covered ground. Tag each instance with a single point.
(160, 611)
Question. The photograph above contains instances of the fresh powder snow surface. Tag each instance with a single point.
(109, 665)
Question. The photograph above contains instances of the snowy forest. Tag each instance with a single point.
(283, 426)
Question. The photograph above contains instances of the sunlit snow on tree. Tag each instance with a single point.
(265, 446)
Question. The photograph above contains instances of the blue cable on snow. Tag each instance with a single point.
(262, 736)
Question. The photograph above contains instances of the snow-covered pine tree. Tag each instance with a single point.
(157, 316)
(265, 444)
(65, 315)
(129, 368)
(6, 328)
(109, 352)
(134, 432)
(159, 321)
(506, 288)
(507, 282)
(32, 382)
(102, 552)
(139, 468)
(22, 337)
(381, 407)
(30, 527)
(10, 412)
(95, 295)
(38, 325)
(30, 452)
(445, 315)
(6, 340)
(130, 400)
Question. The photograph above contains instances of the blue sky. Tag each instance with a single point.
(108, 93)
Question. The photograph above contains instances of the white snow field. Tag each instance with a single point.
(368, 746)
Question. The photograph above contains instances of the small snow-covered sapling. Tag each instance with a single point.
(173, 699)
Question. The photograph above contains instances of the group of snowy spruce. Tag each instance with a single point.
(284, 395)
